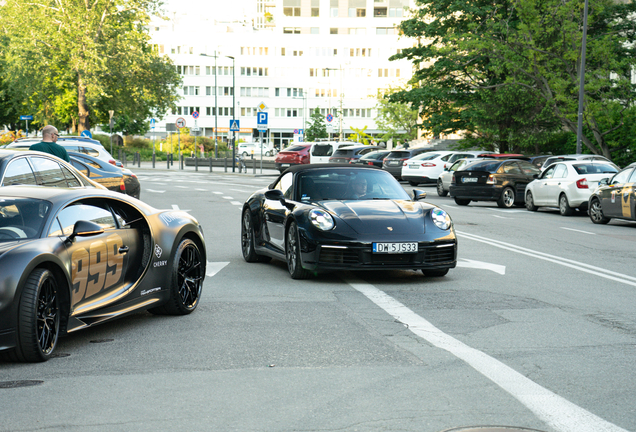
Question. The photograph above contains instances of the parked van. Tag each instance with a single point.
(321, 151)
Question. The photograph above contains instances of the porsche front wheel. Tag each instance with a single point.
(435, 272)
(292, 251)
(38, 317)
(186, 281)
(247, 240)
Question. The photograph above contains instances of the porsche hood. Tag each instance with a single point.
(373, 216)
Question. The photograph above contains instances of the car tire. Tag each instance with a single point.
(413, 183)
(462, 202)
(269, 153)
(38, 318)
(435, 272)
(247, 240)
(596, 212)
(440, 188)
(186, 281)
(530, 202)
(244, 154)
(507, 198)
(292, 252)
(564, 206)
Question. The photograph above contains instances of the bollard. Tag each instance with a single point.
(154, 159)
(171, 159)
(225, 163)
(253, 166)
(138, 160)
(210, 163)
(196, 163)
(181, 161)
(168, 160)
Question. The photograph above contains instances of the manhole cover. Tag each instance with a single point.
(16, 384)
(102, 340)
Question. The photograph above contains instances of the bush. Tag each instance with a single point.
(103, 139)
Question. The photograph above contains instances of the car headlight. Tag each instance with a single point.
(441, 218)
(321, 219)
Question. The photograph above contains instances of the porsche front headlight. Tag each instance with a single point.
(321, 219)
(441, 218)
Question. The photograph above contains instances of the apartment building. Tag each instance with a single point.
(288, 58)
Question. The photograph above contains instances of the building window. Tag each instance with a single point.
(379, 12)
(357, 12)
(396, 12)
(291, 11)
(291, 30)
(333, 30)
(334, 12)
(314, 30)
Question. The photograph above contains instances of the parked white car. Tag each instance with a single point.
(321, 151)
(567, 185)
(426, 167)
(572, 157)
(246, 149)
(71, 144)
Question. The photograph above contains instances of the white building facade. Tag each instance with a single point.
(287, 58)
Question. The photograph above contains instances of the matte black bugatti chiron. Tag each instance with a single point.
(74, 258)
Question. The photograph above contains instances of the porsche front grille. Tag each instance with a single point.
(426, 254)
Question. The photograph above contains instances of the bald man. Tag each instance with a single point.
(49, 145)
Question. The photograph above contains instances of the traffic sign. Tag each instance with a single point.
(235, 126)
(261, 120)
(261, 106)
(152, 123)
(26, 117)
(329, 118)
(86, 133)
(195, 114)
(195, 129)
(180, 122)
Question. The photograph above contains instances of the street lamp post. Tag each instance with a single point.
(216, 109)
(579, 129)
(110, 121)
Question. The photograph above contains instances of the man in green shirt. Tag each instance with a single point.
(49, 145)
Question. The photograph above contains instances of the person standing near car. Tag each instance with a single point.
(49, 144)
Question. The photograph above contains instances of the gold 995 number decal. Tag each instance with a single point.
(96, 269)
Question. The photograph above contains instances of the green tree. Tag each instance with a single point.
(531, 51)
(398, 120)
(71, 61)
(316, 127)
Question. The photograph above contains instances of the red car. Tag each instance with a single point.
(297, 154)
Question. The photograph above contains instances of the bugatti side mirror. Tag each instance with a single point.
(83, 228)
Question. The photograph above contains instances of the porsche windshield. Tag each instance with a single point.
(348, 184)
(22, 218)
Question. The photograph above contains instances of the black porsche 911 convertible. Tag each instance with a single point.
(74, 258)
(329, 217)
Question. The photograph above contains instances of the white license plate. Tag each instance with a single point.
(284, 165)
(469, 179)
(394, 248)
(414, 166)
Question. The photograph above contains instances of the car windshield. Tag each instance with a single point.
(399, 154)
(322, 150)
(22, 218)
(426, 156)
(594, 168)
(343, 152)
(374, 155)
(348, 184)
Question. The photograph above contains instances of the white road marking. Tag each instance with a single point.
(466, 263)
(241, 190)
(556, 411)
(597, 271)
(201, 190)
(154, 191)
(175, 207)
(214, 267)
(236, 203)
(217, 193)
(506, 211)
(584, 232)
(182, 187)
(500, 217)
(228, 197)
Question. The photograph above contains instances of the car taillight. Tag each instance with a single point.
(491, 179)
(453, 179)
(112, 162)
(369, 163)
(133, 175)
(582, 184)
(428, 165)
(122, 185)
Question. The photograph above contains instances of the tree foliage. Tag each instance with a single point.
(317, 127)
(508, 71)
(69, 61)
(398, 120)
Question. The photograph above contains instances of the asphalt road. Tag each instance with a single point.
(535, 328)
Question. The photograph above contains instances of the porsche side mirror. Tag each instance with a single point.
(83, 228)
(418, 194)
(275, 195)
(603, 182)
